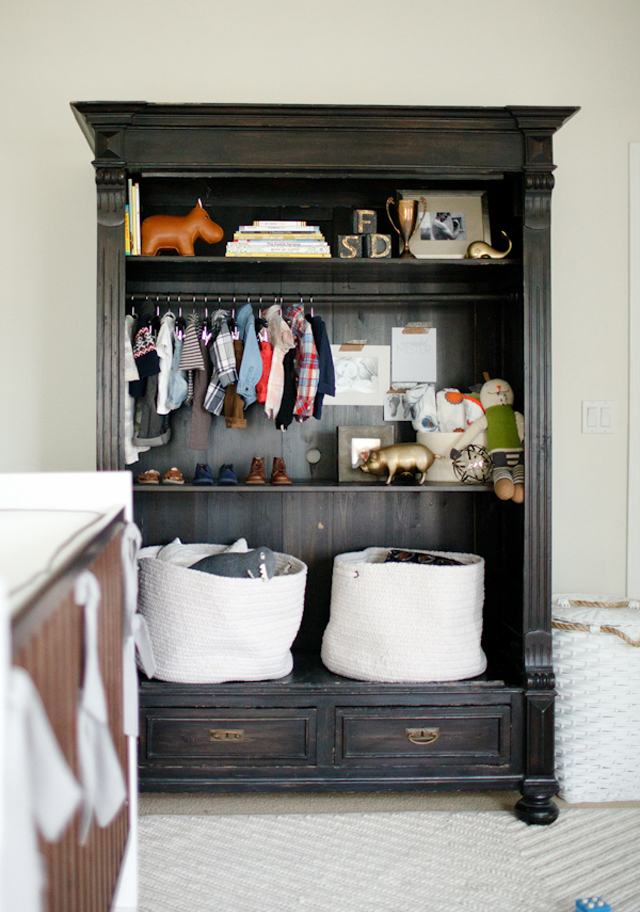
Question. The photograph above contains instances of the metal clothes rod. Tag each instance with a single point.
(266, 300)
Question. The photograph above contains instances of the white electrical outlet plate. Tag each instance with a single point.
(598, 416)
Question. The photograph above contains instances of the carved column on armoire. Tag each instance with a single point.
(540, 785)
(111, 190)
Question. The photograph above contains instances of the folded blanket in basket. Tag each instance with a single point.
(256, 564)
(397, 556)
(185, 555)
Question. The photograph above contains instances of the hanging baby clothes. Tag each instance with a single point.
(200, 416)
(327, 377)
(191, 358)
(233, 406)
(145, 356)
(306, 362)
(131, 375)
(131, 372)
(251, 366)
(151, 429)
(164, 347)
(266, 354)
(223, 362)
(178, 386)
(282, 341)
(287, 405)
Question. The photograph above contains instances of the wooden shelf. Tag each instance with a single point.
(495, 276)
(319, 487)
(309, 673)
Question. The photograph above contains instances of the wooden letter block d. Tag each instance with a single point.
(377, 246)
(349, 246)
(365, 221)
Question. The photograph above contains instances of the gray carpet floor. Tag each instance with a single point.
(427, 861)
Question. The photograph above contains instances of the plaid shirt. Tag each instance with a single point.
(307, 364)
(224, 364)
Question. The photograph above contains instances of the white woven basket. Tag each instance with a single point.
(598, 704)
(405, 622)
(207, 629)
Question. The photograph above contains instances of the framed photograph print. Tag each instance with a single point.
(362, 375)
(453, 220)
(354, 445)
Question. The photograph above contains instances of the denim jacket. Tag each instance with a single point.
(251, 365)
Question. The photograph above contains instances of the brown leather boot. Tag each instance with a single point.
(279, 472)
(256, 475)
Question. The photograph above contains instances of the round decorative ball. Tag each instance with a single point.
(473, 465)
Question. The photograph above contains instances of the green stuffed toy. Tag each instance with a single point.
(505, 433)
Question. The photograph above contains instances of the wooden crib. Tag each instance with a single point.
(47, 641)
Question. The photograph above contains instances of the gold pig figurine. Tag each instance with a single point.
(409, 458)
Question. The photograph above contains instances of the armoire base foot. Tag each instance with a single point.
(538, 809)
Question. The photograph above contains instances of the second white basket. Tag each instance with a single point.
(405, 622)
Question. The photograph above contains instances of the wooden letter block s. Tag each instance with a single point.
(349, 246)
(377, 246)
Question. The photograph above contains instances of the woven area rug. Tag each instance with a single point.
(437, 861)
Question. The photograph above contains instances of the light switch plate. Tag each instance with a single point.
(598, 416)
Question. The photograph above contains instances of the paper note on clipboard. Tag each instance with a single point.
(413, 354)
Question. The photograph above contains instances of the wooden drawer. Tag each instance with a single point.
(237, 736)
(412, 736)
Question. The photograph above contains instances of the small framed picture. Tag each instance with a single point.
(354, 445)
(453, 220)
(362, 374)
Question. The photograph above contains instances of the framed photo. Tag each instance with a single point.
(362, 375)
(453, 220)
(354, 445)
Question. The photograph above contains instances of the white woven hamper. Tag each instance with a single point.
(207, 629)
(596, 657)
(409, 622)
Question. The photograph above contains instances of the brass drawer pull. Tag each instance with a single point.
(422, 735)
(226, 734)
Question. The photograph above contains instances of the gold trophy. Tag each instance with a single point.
(408, 220)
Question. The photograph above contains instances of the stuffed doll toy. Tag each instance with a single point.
(505, 433)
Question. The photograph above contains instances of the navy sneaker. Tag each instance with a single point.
(227, 476)
(203, 474)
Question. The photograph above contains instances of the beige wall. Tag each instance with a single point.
(544, 52)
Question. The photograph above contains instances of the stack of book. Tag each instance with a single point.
(278, 239)
(132, 241)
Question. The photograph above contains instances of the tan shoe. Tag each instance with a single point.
(172, 476)
(279, 472)
(151, 476)
(256, 475)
